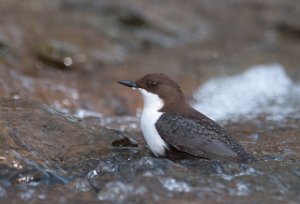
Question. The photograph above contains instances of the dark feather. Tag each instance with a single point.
(200, 137)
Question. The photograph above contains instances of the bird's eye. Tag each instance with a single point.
(152, 84)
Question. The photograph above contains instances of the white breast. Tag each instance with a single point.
(150, 115)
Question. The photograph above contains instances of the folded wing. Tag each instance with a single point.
(199, 137)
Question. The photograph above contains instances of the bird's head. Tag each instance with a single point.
(158, 91)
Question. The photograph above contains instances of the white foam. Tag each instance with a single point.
(83, 113)
(261, 89)
(172, 184)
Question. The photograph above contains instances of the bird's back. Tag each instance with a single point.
(198, 135)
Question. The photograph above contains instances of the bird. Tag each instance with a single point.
(175, 130)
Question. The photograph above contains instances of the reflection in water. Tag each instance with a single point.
(261, 89)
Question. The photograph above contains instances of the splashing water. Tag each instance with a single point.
(177, 186)
(261, 89)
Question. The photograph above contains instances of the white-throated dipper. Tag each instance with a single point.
(173, 129)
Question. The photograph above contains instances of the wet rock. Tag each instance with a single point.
(133, 28)
(128, 26)
(6, 53)
(60, 54)
(127, 16)
(16, 85)
(124, 142)
(36, 136)
(284, 18)
(131, 175)
(46, 194)
(126, 170)
(289, 30)
(122, 123)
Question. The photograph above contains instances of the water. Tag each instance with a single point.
(262, 89)
(172, 184)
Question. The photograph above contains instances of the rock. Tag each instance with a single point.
(60, 54)
(45, 194)
(6, 53)
(124, 142)
(134, 29)
(36, 159)
(284, 17)
(127, 16)
(41, 139)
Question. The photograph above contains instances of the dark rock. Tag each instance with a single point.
(124, 142)
(284, 16)
(289, 30)
(59, 54)
(6, 53)
(127, 16)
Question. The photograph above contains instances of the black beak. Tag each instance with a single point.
(128, 83)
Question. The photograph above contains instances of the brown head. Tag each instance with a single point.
(162, 86)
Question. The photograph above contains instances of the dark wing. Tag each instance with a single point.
(199, 137)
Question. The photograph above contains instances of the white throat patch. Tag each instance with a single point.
(152, 104)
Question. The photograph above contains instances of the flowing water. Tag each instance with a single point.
(262, 89)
